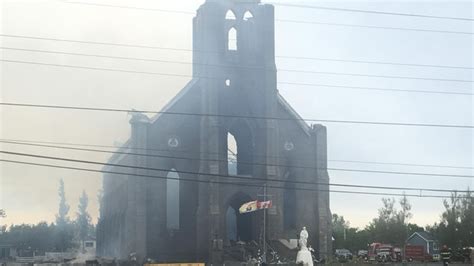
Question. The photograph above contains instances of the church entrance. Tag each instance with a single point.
(239, 227)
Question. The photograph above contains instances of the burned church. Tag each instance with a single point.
(227, 138)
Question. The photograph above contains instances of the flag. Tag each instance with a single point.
(264, 204)
(248, 207)
(255, 205)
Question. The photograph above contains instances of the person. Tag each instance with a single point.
(445, 255)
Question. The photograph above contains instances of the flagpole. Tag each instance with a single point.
(264, 225)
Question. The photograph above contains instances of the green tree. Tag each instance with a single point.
(339, 227)
(30, 238)
(403, 216)
(348, 237)
(100, 197)
(457, 221)
(3, 228)
(83, 220)
(466, 227)
(62, 218)
(391, 225)
(65, 231)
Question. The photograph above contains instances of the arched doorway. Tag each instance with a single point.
(239, 227)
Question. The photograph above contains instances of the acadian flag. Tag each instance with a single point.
(255, 206)
(248, 207)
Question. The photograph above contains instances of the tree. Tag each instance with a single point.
(3, 228)
(456, 228)
(100, 197)
(61, 217)
(83, 220)
(348, 237)
(391, 225)
(404, 215)
(339, 227)
(466, 227)
(64, 232)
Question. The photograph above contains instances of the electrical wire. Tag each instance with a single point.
(282, 83)
(263, 180)
(372, 27)
(200, 51)
(240, 162)
(235, 116)
(233, 66)
(39, 144)
(372, 11)
(278, 20)
(210, 77)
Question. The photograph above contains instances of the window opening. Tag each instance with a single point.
(172, 200)
(230, 15)
(232, 39)
(231, 154)
(248, 15)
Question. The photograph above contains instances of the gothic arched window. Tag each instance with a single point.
(172, 200)
(240, 149)
(231, 154)
(232, 39)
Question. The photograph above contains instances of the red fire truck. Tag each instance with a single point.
(419, 253)
(383, 252)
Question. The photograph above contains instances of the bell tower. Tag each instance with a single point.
(234, 63)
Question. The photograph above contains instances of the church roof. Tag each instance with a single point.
(175, 99)
(298, 119)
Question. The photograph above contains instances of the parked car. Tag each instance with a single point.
(362, 254)
(343, 255)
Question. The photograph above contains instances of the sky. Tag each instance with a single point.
(29, 193)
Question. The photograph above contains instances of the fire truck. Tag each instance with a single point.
(419, 253)
(384, 252)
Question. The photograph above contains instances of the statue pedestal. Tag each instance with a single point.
(304, 256)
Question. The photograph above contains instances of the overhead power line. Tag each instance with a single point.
(240, 162)
(210, 77)
(372, 11)
(224, 183)
(235, 116)
(373, 88)
(191, 50)
(240, 67)
(189, 76)
(372, 27)
(373, 62)
(131, 7)
(405, 164)
(63, 144)
(283, 20)
(281, 82)
(248, 178)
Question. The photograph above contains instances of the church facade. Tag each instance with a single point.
(227, 138)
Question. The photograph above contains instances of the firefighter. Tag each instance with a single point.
(445, 255)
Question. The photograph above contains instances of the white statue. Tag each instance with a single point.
(303, 238)
(304, 254)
